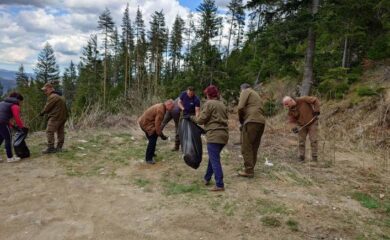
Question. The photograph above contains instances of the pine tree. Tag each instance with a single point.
(21, 78)
(176, 43)
(237, 23)
(69, 80)
(128, 47)
(106, 25)
(140, 51)
(47, 69)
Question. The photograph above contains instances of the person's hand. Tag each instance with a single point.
(295, 130)
(163, 137)
(41, 114)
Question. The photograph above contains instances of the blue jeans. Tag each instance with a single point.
(214, 166)
(5, 134)
(151, 148)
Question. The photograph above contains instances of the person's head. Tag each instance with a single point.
(17, 96)
(211, 92)
(244, 86)
(190, 91)
(169, 104)
(48, 88)
(288, 102)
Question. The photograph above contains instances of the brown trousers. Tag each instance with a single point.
(312, 131)
(251, 137)
(52, 128)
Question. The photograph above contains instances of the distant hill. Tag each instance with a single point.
(8, 79)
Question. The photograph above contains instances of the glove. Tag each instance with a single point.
(295, 130)
(41, 114)
(163, 137)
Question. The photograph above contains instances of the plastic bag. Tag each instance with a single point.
(191, 142)
(20, 146)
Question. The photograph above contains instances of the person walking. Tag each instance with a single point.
(303, 112)
(214, 117)
(175, 115)
(57, 115)
(10, 108)
(252, 122)
(150, 123)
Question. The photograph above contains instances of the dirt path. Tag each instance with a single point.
(101, 189)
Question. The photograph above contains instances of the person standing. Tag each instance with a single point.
(175, 115)
(10, 108)
(303, 112)
(189, 103)
(150, 123)
(252, 122)
(57, 115)
(214, 116)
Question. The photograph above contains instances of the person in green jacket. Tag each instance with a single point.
(252, 121)
(214, 117)
(57, 115)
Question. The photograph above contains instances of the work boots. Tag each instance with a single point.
(59, 147)
(49, 149)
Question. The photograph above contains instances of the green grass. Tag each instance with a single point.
(229, 209)
(366, 200)
(265, 207)
(141, 182)
(293, 225)
(173, 188)
(271, 221)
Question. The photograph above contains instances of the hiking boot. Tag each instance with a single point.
(151, 162)
(245, 174)
(217, 189)
(206, 182)
(13, 159)
(59, 147)
(49, 150)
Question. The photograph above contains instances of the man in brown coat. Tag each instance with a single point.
(150, 123)
(303, 112)
(57, 114)
(252, 121)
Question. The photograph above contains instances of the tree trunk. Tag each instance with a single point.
(344, 64)
(229, 38)
(309, 57)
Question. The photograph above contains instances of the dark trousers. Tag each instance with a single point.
(214, 166)
(5, 134)
(151, 148)
(251, 138)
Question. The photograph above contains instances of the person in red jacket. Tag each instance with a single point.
(10, 108)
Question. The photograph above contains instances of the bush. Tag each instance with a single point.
(366, 91)
(335, 83)
(270, 107)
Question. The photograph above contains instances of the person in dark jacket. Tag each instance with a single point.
(189, 103)
(252, 122)
(214, 116)
(150, 123)
(175, 115)
(57, 115)
(10, 108)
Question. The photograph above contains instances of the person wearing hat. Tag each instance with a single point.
(252, 122)
(10, 108)
(57, 115)
(214, 117)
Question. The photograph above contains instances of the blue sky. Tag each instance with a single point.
(26, 25)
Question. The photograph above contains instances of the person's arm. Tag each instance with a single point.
(180, 102)
(241, 105)
(197, 106)
(158, 120)
(16, 115)
(204, 115)
(167, 118)
(314, 102)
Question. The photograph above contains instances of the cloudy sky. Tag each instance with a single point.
(26, 25)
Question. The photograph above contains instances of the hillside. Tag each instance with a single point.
(99, 188)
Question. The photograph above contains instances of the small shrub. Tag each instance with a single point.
(270, 221)
(292, 224)
(366, 91)
(270, 107)
(366, 200)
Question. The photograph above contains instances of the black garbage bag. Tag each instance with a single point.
(20, 146)
(191, 142)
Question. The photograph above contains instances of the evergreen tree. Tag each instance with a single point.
(140, 51)
(128, 48)
(106, 25)
(21, 78)
(176, 44)
(236, 21)
(47, 69)
(69, 80)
